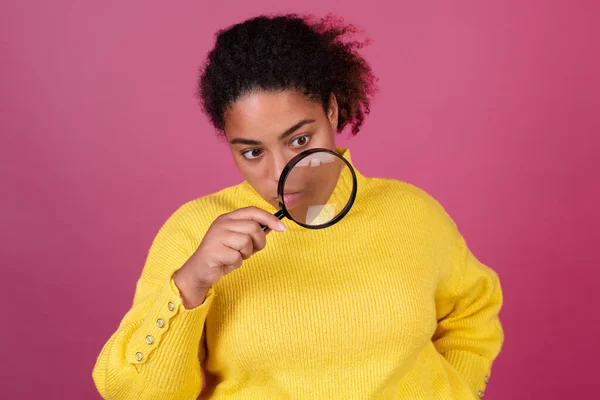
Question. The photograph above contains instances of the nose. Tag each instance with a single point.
(279, 161)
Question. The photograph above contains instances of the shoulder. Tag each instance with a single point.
(407, 202)
(205, 209)
(207, 206)
(190, 221)
(396, 191)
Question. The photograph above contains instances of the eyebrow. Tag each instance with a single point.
(288, 132)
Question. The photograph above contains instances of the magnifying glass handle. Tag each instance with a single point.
(279, 214)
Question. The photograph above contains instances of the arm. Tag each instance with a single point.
(154, 352)
(468, 300)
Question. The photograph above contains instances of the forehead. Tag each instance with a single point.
(261, 115)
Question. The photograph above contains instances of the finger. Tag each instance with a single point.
(260, 216)
(241, 242)
(230, 257)
(229, 268)
(251, 228)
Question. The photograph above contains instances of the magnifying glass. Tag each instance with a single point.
(316, 189)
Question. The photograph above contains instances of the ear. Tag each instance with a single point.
(333, 112)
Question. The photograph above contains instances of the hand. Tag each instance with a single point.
(231, 239)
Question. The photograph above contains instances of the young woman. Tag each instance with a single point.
(389, 303)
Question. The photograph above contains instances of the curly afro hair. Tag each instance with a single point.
(316, 57)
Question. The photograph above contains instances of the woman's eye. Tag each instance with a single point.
(252, 154)
(300, 141)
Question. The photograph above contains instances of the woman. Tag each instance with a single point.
(389, 303)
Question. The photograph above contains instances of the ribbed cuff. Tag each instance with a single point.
(168, 328)
(474, 369)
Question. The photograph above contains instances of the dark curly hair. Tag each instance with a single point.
(317, 57)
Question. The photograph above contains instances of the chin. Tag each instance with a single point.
(271, 201)
(275, 204)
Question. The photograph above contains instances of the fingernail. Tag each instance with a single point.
(281, 227)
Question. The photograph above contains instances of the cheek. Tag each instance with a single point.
(248, 172)
(254, 175)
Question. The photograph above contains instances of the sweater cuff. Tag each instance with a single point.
(475, 370)
(168, 328)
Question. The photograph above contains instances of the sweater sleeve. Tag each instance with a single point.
(468, 300)
(154, 354)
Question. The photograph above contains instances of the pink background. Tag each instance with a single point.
(491, 106)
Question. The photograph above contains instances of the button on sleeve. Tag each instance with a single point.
(166, 307)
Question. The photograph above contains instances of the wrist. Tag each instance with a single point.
(192, 295)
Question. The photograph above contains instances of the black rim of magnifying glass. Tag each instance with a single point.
(288, 168)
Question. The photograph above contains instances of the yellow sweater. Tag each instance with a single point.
(387, 304)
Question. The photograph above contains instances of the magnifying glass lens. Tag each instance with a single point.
(315, 190)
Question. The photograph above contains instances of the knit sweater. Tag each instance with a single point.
(389, 303)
